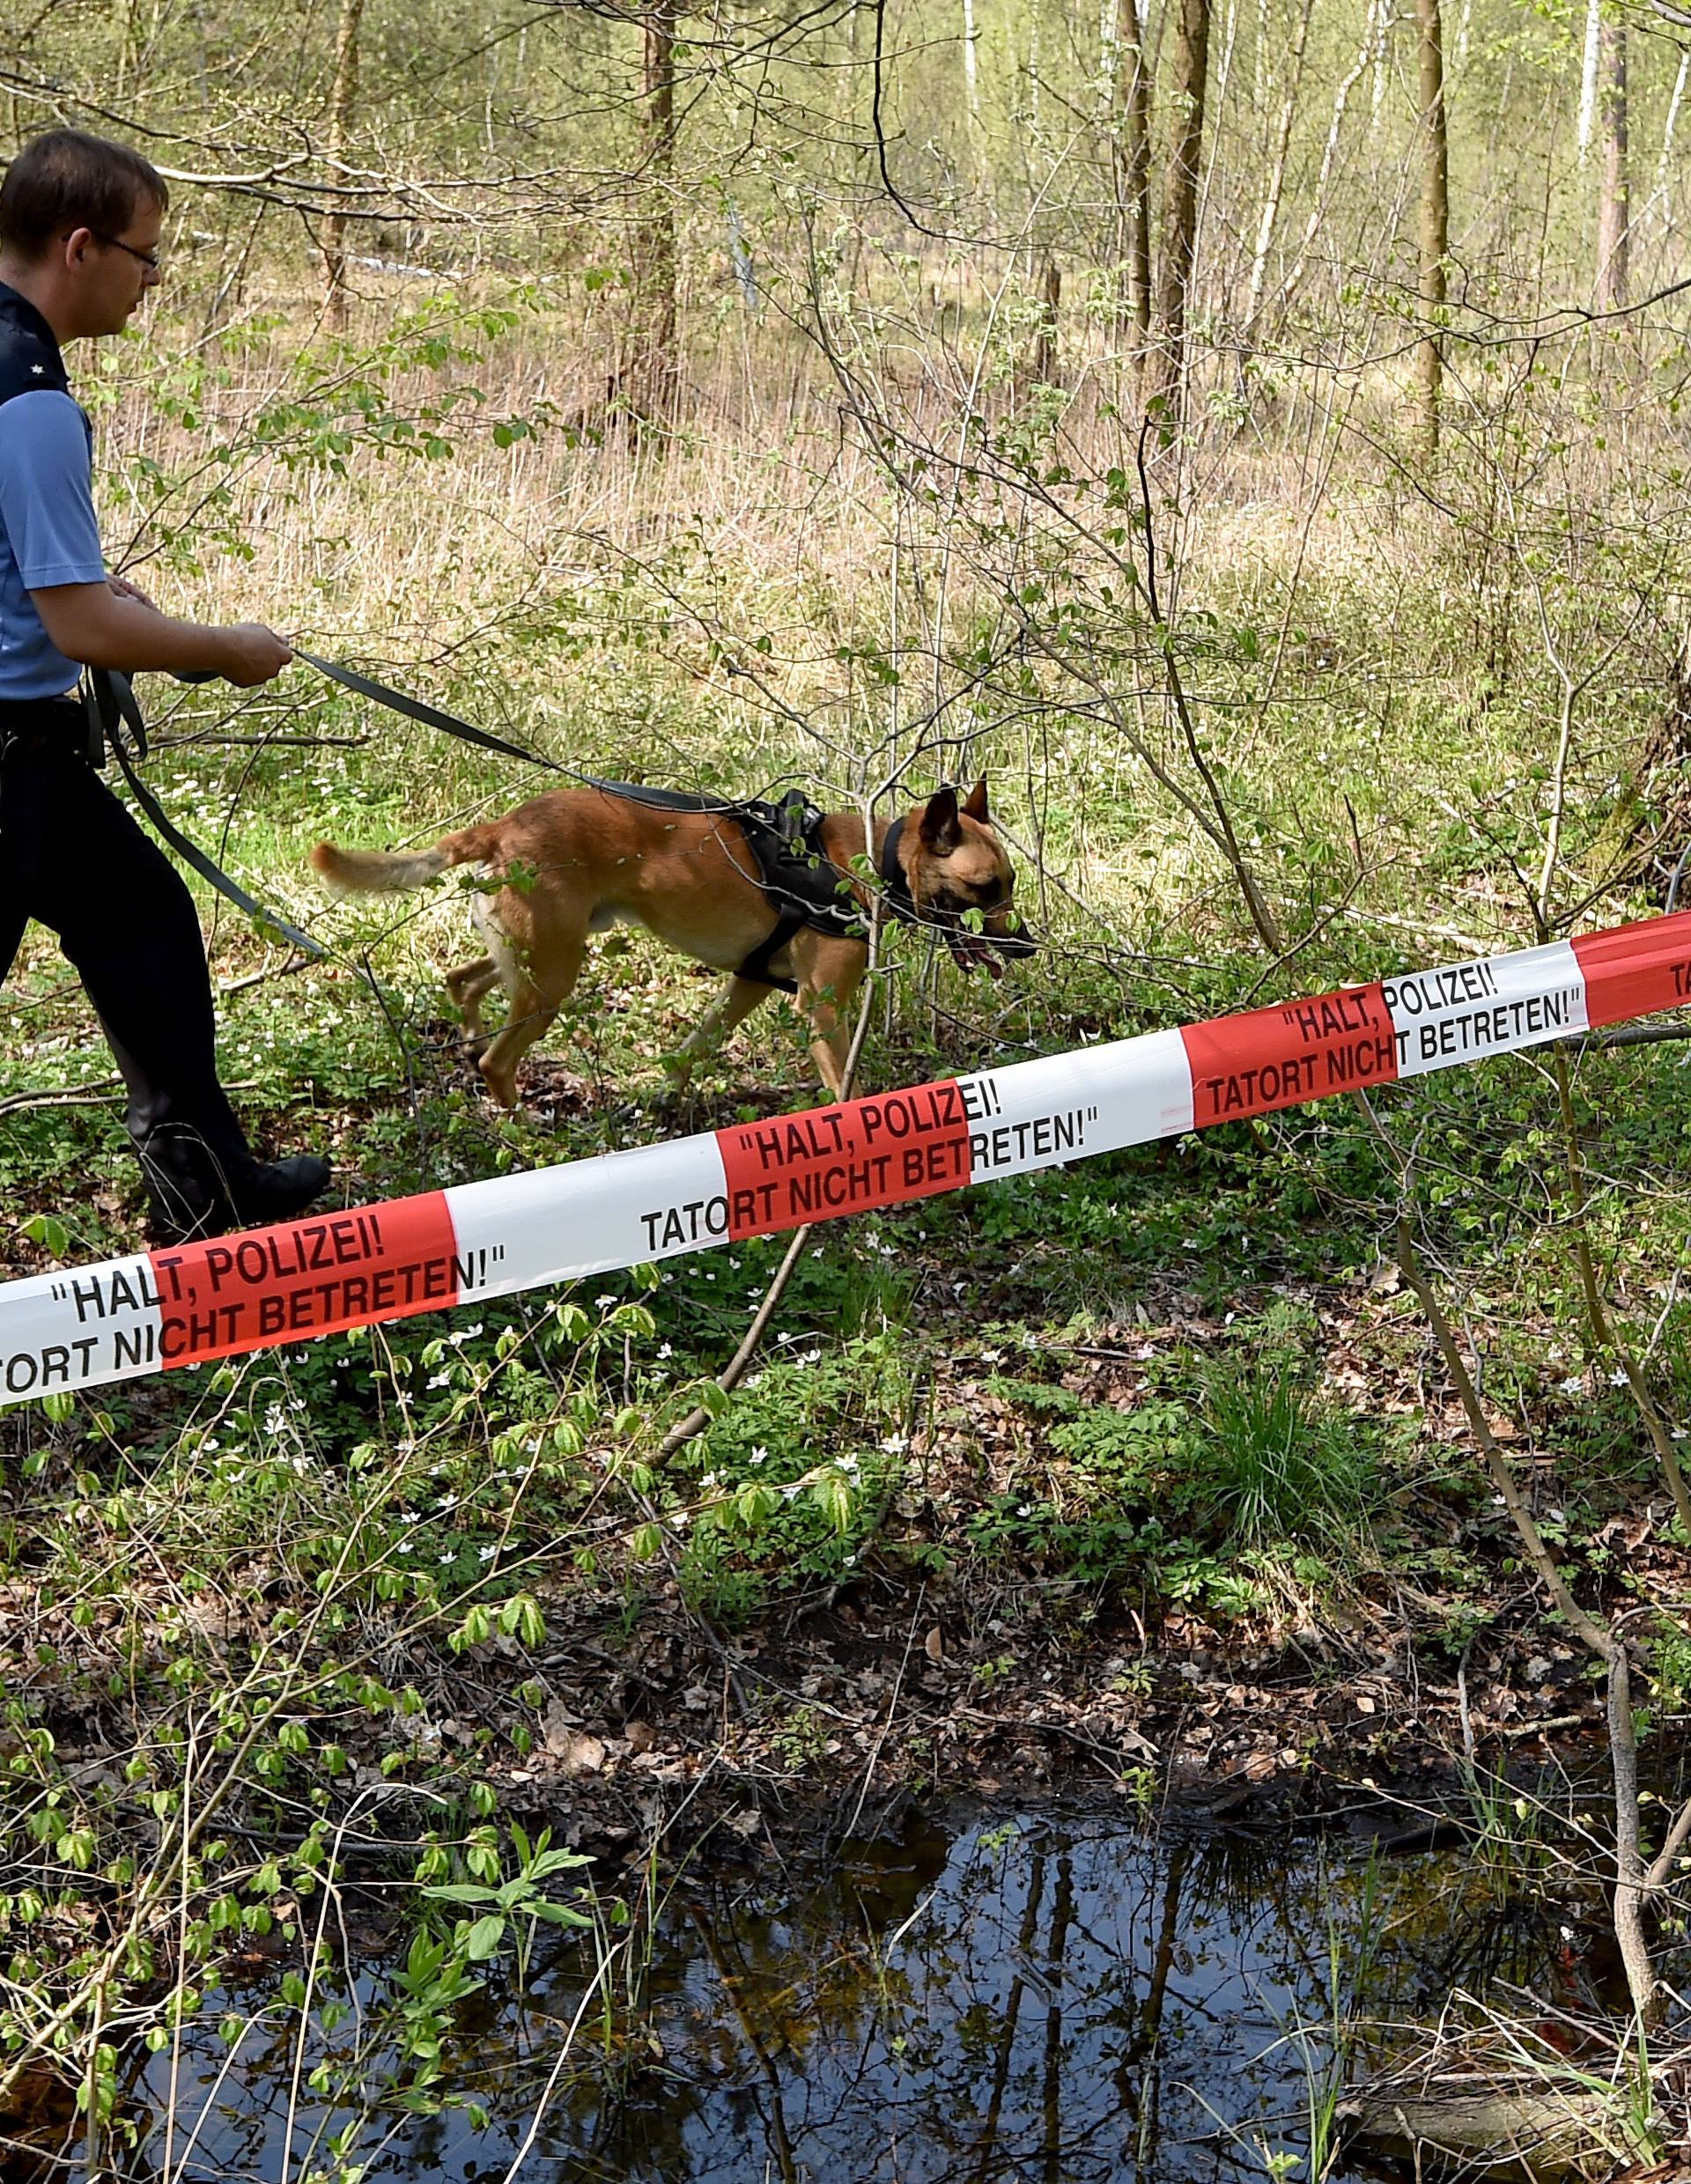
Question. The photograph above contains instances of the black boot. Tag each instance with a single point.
(194, 1192)
(188, 1194)
(281, 1190)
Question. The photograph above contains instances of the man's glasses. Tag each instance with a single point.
(148, 258)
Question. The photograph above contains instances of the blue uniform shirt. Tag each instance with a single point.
(48, 533)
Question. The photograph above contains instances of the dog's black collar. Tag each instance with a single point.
(899, 899)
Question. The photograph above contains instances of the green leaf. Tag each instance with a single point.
(49, 1232)
(483, 1938)
(550, 1862)
(559, 1915)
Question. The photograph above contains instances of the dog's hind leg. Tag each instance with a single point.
(534, 1006)
(730, 1007)
(539, 975)
(465, 988)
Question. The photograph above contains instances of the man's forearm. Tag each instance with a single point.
(91, 625)
(102, 627)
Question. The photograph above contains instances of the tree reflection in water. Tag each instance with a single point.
(1044, 1999)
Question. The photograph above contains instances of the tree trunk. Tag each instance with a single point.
(342, 102)
(1435, 219)
(1612, 225)
(1293, 280)
(1380, 40)
(1045, 348)
(1588, 69)
(971, 79)
(1277, 166)
(1675, 101)
(1131, 149)
(1191, 82)
(658, 372)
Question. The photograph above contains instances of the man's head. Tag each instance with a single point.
(80, 219)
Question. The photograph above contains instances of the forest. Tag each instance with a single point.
(1174, 1661)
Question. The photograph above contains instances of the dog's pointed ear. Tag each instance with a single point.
(975, 805)
(941, 832)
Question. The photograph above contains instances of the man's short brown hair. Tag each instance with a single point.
(68, 180)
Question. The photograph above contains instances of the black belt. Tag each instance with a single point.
(42, 720)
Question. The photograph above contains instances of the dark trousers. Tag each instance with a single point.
(72, 857)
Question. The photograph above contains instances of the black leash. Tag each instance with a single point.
(780, 821)
(432, 716)
(891, 871)
(467, 732)
(114, 720)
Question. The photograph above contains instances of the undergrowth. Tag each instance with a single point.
(258, 1610)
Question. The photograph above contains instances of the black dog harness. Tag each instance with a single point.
(803, 885)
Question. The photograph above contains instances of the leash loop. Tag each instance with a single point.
(114, 718)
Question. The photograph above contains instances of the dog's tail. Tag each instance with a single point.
(385, 872)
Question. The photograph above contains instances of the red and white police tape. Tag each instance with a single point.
(84, 1326)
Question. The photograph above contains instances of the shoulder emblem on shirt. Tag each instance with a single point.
(27, 361)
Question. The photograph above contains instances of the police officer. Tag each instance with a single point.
(80, 220)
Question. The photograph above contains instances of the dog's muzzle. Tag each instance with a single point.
(988, 950)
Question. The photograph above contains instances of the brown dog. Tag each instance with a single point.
(580, 860)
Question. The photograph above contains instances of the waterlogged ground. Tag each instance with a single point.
(1065, 1998)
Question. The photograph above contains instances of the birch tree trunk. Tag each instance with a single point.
(1435, 219)
(1614, 237)
(1329, 155)
(1379, 38)
(1659, 192)
(342, 103)
(1587, 117)
(1277, 166)
(1189, 84)
(659, 369)
(971, 78)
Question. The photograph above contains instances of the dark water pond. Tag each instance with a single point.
(995, 1998)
